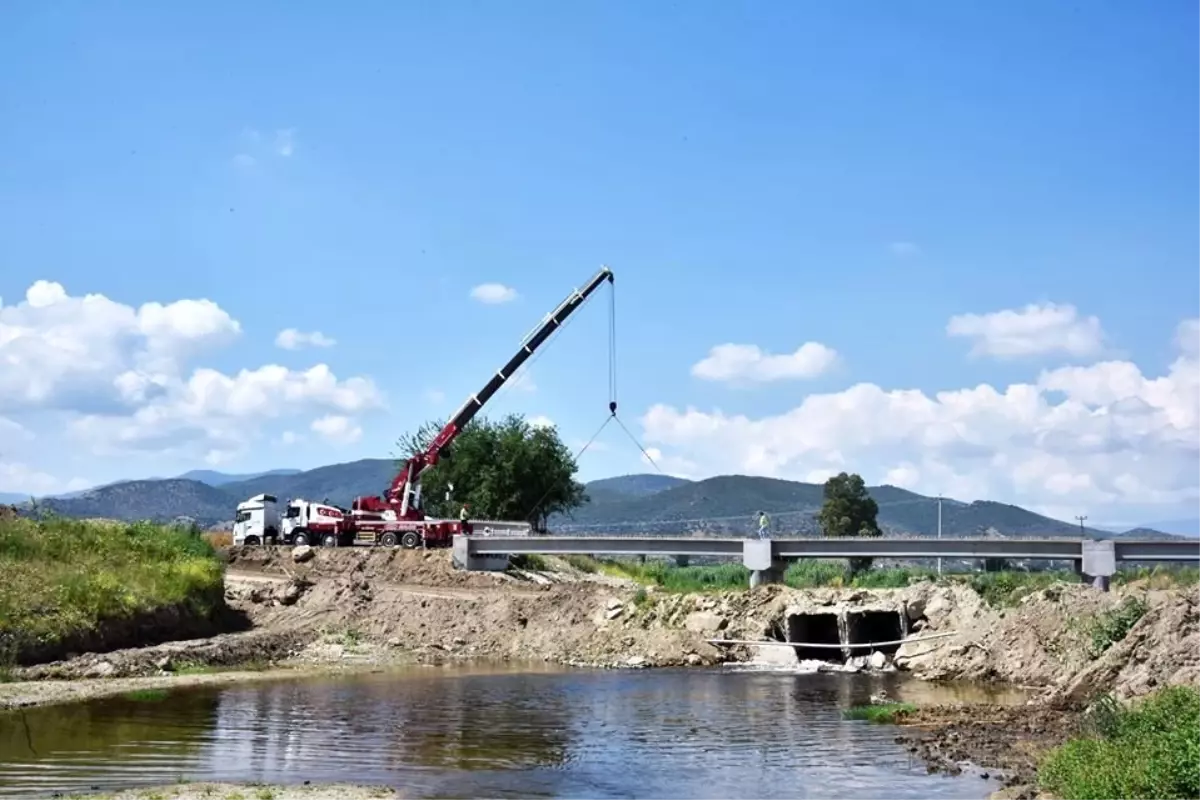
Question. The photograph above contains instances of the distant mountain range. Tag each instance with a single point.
(629, 503)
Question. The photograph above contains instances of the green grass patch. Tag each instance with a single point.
(1106, 629)
(530, 561)
(883, 713)
(1152, 750)
(1005, 589)
(145, 695)
(63, 576)
(1160, 576)
(583, 563)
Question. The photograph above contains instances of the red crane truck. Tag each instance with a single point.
(396, 516)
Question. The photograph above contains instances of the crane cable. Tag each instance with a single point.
(612, 396)
(612, 375)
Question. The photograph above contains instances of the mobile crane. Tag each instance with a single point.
(396, 516)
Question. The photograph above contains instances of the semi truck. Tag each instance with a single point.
(396, 517)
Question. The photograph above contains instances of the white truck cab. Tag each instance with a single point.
(257, 521)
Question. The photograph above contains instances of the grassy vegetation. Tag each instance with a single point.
(63, 576)
(1159, 577)
(530, 561)
(1152, 750)
(883, 713)
(1108, 628)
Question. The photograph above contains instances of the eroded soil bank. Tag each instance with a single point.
(362, 608)
(230, 791)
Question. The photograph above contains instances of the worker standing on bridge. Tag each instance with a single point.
(462, 519)
(763, 523)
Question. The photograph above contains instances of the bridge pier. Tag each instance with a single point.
(757, 557)
(1099, 562)
(681, 561)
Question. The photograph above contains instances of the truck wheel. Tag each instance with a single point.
(301, 538)
(388, 539)
(252, 541)
(330, 540)
(411, 540)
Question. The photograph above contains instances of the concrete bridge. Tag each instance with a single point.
(767, 558)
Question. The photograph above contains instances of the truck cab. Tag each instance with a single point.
(257, 521)
(305, 522)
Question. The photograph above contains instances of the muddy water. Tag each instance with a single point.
(472, 733)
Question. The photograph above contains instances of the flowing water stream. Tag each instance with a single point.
(452, 733)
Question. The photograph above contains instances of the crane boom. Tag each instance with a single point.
(403, 494)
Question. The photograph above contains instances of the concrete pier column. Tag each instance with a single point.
(1099, 562)
(681, 561)
(773, 575)
(757, 557)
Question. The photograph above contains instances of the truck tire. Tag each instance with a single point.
(411, 540)
(329, 540)
(251, 541)
(388, 539)
(300, 538)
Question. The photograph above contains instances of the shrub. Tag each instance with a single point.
(883, 713)
(1152, 750)
(530, 561)
(1108, 628)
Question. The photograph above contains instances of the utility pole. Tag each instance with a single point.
(1082, 532)
(939, 533)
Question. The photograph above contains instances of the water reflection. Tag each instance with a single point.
(666, 734)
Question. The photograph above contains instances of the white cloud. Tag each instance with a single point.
(292, 339)
(747, 363)
(244, 160)
(1187, 337)
(224, 410)
(20, 478)
(523, 381)
(904, 249)
(435, 396)
(337, 429)
(541, 421)
(285, 142)
(289, 438)
(1032, 330)
(493, 293)
(11, 431)
(120, 378)
(60, 351)
(1104, 435)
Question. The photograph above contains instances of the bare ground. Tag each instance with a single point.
(358, 608)
(233, 791)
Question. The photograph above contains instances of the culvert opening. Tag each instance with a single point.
(815, 629)
(863, 627)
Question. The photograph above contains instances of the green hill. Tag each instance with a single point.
(725, 504)
(337, 483)
(158, 500)
(728, 504)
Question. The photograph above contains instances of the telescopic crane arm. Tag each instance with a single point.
(404, 491)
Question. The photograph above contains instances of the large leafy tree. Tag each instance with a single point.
(849, 510)
(506, 469)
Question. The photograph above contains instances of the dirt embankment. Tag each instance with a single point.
(367, 607)
(232, 791)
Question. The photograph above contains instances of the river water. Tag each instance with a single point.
(458, 733)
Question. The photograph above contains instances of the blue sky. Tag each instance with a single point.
(755, 174)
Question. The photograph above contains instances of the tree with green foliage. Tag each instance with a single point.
(501, 470)
(849, 510)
